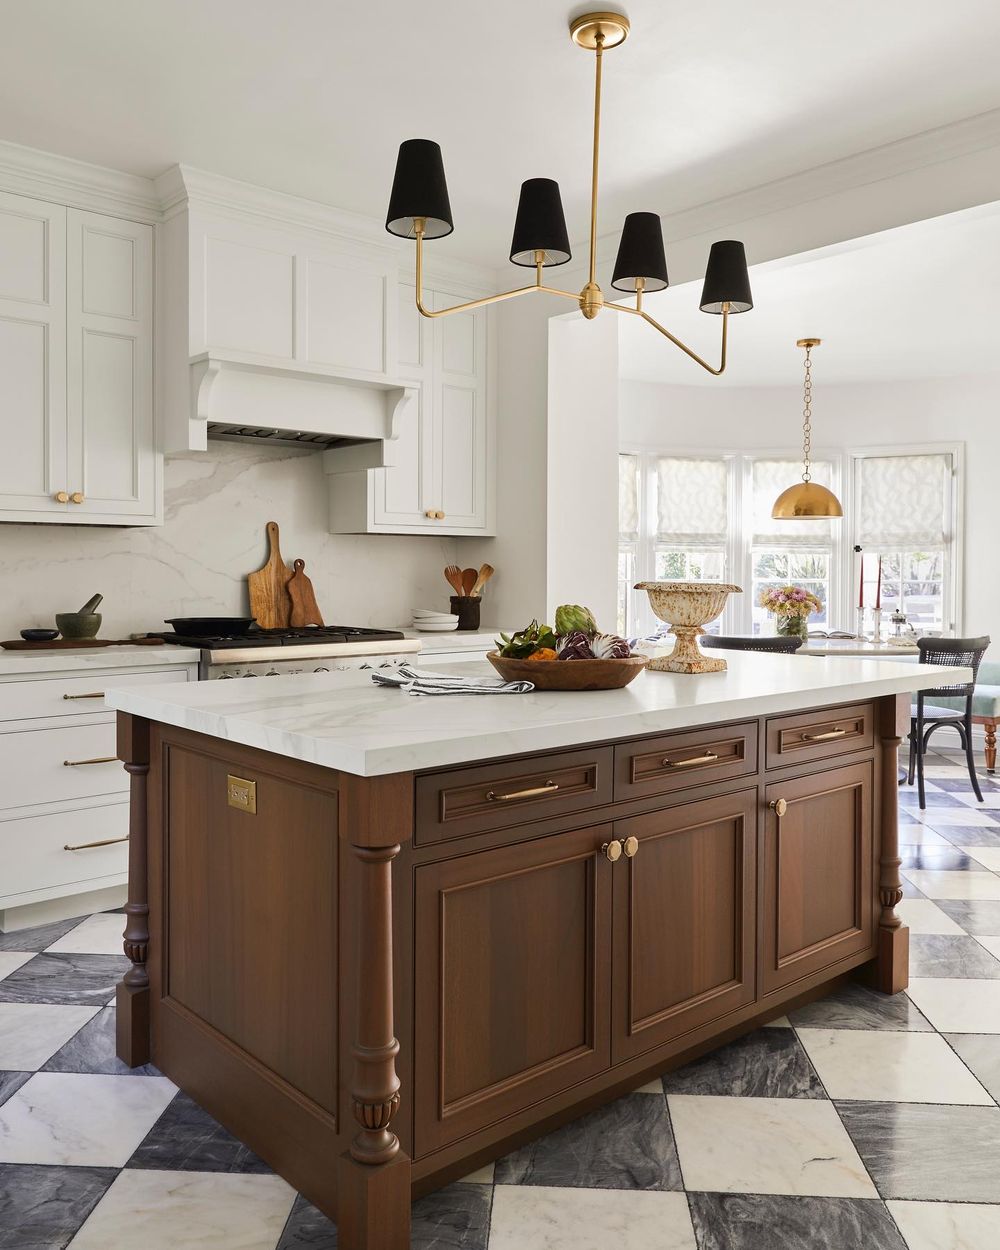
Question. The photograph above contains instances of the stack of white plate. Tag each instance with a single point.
(433, 622)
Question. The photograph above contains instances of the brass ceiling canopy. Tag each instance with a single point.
(806, 499)
(420, 209)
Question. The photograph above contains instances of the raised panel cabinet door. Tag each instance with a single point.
(404, 492)
(816, 873)
(113, 464)
(346, 320)
(461, 423)
(243, 295)
(32, 358)
(684, 920)
(512, 980)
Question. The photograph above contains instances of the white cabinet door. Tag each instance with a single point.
(460, 409)
(112, 461)
(33, 467)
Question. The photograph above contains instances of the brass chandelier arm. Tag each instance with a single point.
(599, 54)
(640, 312)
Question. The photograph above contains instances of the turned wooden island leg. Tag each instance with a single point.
(373, 1199)
(892, 973)
(132, 994)
(991, 746)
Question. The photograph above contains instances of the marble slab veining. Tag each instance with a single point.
(769, 1063)
(187, 1139)
(42, 1207)
(753, 1221)
(87, 980)
(854, 1006)
(370, 730)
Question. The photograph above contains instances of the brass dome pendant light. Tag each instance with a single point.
(806, 499)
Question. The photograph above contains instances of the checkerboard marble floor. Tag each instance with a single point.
(861, 1121)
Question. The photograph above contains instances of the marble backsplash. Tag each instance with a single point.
(216, 506)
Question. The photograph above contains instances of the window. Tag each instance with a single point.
(628, 534)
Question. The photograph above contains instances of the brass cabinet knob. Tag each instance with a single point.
(430, 514)
(77, 496)
(61, 496)
(440, 516)
(630, 846)
(612, 850)
(778, 806)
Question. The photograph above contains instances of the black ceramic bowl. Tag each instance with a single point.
(211, 626)
(39, 635)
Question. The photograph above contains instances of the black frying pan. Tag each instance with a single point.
(211, 626)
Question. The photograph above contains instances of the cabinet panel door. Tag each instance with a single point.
(404, 492)
(684, 922)
(249, 298)
(33, 355)
(112, 454)
(346, 315)
(816, 874)
(513, 1002)
(461, 424)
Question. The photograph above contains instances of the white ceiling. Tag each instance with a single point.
(915, 302)
(313, 96)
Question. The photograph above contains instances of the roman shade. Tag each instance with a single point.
(628, 498)
(692, 501)
(903, 501)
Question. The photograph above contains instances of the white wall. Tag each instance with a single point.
(679, 418)
(216, 506)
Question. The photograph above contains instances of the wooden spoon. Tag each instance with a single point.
(468, 580)
(453, 575)
(486, 571)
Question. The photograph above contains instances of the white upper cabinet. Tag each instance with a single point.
(76, 383)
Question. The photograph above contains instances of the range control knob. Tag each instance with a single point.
(321, 669)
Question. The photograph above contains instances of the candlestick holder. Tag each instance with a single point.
(877, 626)
(861, 624)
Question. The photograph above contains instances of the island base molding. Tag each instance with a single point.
(378, 984)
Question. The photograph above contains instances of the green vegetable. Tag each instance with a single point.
(570, 617)
(526, 641)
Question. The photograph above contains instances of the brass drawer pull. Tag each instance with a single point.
(708, 758)
(612, 851)
(85, 846)
(833, 733)
(97, 694)
(550, 787)
(100, 759)
(779, 807)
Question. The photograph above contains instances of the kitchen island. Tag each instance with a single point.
(547, 899)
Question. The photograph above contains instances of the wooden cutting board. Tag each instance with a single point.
(305, 610)
(269, 601)
(76, 644)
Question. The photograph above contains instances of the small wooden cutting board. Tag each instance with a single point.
(305, 610)
(269, 601)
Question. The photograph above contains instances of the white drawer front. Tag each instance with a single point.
(32, 854)
(72, 696)
(52, 765)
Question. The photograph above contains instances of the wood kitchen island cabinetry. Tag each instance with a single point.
(379, 977)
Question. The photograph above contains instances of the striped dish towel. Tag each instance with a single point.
(413, 681)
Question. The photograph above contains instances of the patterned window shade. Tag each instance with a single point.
(903, 501)
(692, 499)
(628, 498)
(770, 478)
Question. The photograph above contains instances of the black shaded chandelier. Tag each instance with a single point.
(419, 209)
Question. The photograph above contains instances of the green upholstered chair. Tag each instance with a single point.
(985, 707)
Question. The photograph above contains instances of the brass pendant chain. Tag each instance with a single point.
(807, 418)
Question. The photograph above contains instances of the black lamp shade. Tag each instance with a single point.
(540, 225)
(726, 279)
(419, 189)
(640, 254)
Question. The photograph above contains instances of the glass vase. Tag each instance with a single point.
(792, 625)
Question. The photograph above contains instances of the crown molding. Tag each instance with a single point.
(47, 176)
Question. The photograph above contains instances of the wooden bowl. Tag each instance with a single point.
(570, 674)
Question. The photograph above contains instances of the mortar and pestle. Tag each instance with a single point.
(82, 624)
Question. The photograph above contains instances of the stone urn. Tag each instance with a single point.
(687, 607)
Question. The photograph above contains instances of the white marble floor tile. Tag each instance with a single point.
(10, 961)
(942, 817)
(31, 1033)
(766, 1146)
(533, 1217)
(988, 856)
(68, 1118)
(188, 1211)
(924, 916)
(947, 1225)
(958, 1006)
(991, 799)
(992, 944)
(780, 1022)
(651, 1087)
(921, 835)
(483, 1175)
(875, 1066)
(961, 885)
(97, 935)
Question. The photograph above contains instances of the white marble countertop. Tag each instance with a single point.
(342, 721)
(91, 659)
(455, 639)
(852, 646)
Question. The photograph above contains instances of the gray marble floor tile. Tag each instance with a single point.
(981, 1053)
(628, 1144)
(972, 835)
(41, 1208)
(961, 784)
(935, 1153)
(939, 955)
(765, 1222)
(980, 917)
(855, 1006)
(307, 1229)
(908, 797)
(769, 1063)
(87, 980)
(454, 1218)
(940, 858)
(38, 938)
(10, 1082)
(93, 1050)
(187, 1139)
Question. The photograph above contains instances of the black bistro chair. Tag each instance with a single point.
(780, 646)
(926, 717)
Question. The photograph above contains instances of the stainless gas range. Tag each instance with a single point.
(312, 649)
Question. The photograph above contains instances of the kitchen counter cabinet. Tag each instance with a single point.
(376, 1011)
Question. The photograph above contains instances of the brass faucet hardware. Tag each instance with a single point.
(612, 851)
(86, 846)
(833, 733)
(779, 807)
(708, 758)
(533, 792)
(630, 846)
(101, 759)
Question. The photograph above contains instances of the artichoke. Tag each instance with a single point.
(575, 646)
(571, 618)
(609, 647)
